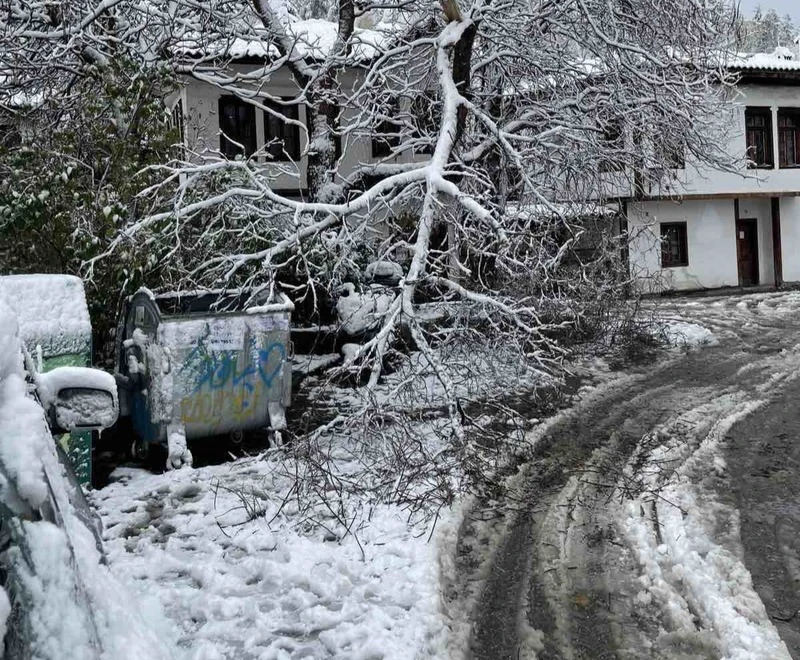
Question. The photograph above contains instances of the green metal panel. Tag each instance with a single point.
(78, 444)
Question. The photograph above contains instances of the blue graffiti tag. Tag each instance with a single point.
(218, 369)
(263, 359)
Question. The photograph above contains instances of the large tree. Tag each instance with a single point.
(507, 123)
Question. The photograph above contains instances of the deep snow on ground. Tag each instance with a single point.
(243, 573)
(243, 570)
(245, 567)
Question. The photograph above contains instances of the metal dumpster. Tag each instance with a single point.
(201, 364)
(55, 327)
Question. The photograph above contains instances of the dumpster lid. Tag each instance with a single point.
(219, 301)
(51, 311)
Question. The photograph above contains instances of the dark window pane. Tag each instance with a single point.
(426, 111)
(237, 123)
(674, 248)
(789, 137)
(758, 136)
(386, 134)
(612, 158)
(282, 139)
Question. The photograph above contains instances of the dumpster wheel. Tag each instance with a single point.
(237, 436)
(140, 451)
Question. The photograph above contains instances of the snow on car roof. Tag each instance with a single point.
(51, 311)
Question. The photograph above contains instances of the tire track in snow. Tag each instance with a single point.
(584, 572)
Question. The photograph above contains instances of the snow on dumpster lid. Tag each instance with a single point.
(51, 311)
(220, 301)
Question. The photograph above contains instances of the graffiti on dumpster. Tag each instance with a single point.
(228, 385)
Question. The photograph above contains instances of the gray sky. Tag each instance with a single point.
(791, 7)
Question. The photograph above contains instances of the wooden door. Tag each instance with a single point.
(747, 251)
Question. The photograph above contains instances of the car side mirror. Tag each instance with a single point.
(84, 409)
(78, 398)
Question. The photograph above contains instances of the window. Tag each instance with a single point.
(674, 250)
(386, 135)
(426, 114)
(672, 151)
(789, 137)
(237, 123)
(178, 125)
(514, 181)
(758, 137)
(281, 138)
(613, 147)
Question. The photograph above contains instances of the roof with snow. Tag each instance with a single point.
(764, 62)
(313, 39)
(51, 311)
(782, 64)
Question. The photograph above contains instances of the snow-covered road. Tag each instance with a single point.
(630, 543)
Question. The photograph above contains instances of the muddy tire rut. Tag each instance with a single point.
(562, 582)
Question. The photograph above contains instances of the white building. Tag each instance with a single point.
(217, 122)
(742, 228)
(711, 229)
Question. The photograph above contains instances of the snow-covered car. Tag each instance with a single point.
(54, 324)
(58, 599)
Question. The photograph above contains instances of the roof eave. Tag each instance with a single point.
(767, 76)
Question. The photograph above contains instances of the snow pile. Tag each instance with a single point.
(51, 310)
(359, 312)
(384, 270)
(687, 335)
(238, 566)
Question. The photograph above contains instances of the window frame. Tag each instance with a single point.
(768, 130)
(385, 136)
(613, 136)
(227, 140)
(285, 145)
(794, 114)
(683, 244)
(426, 120)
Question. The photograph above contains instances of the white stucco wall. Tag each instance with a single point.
(711, 244)
(790, 238)
(699, 180)
(201, 103)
